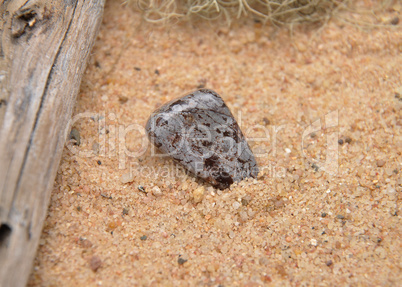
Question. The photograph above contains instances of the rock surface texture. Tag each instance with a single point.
(200, 132)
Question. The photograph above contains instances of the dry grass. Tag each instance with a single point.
(277, 12)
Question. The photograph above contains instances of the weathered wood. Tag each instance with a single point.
(44, 49)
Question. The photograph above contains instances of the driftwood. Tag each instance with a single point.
(44, 48)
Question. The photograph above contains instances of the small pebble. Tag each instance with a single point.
(143, 238)
(181, 261)
(323, 214)
(231, 234)
(380, 163)
(125, 211)
(142, 189)
(339, 216)
(340, 141)
(329, 263)
(348, 140)
(99, 162)
(313, 242)
(75, 135)
(236, 205)
(95, 263)
(198, 194)
(394, 21)
(156, 191)
(245, 200)
(123, 99)
(137, 68)
(243, 216)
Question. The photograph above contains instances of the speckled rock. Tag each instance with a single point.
(200, 132)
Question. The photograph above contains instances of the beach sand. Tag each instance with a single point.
(322, 108)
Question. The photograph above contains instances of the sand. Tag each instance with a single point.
(322, 108)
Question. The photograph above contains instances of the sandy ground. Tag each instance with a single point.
(324, 110)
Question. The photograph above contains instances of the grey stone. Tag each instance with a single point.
(200, 132)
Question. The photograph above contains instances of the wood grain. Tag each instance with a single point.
(44, 49)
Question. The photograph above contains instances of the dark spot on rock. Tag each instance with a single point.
(224, 179)
(211, 162)
(176, 139)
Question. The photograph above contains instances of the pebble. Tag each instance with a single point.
(394, 21)
(95, 263)
(123, 99)
(142, 189)
(231, 234)
(243, 216)
(199, 131)
(156, 191)
(348, 140)
(389, 189)
(181, 261)
(380, 163)
(236, 205)
(75, 135)
(143, 238)
(198, 194)
(313, 242)
(245, 200)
